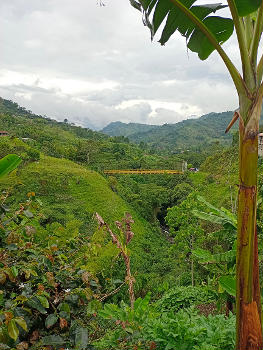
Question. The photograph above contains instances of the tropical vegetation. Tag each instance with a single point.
(205, 33)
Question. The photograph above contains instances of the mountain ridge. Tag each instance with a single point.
(189, 133)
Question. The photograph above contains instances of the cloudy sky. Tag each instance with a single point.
(93, 65)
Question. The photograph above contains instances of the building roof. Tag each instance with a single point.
(1, 131)
(260, 134)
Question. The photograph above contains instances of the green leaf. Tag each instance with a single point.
(135, 4)
(13, 331)
(64, 307)
(229, 284)
(21, 322)
(218, 216)
(147, 6)
(221, 28)
(81, 338)
(177, 19)
(21, 298)
(14, 271)
(117, 281)
(245, 7)
(36, 304)
(51, 320)
(53, 340)
(43, 301)
(93, 307)
(161, 10)
(209, 205)
(9, 163)
(28, 214)
(225, 257)
(206, 257)
(208, 217)
(203, 254)
(2, 299)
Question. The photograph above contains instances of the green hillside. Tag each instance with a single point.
(61, 271)
(63, 140)
(70, 192)
(188, 134)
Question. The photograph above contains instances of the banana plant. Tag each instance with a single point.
(9, 163)
(206, 32)
(223, 264)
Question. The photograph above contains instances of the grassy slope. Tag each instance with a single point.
(70, 191)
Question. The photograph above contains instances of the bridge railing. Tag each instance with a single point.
(142, 171)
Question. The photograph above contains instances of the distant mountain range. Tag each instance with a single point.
(190, 133)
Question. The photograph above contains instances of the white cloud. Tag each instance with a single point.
(23, 95)
(94, 65)
(163, 111)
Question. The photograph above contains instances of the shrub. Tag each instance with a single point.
(144, 328)
(44, 292)
(183, 297)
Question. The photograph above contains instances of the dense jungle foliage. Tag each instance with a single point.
(64, 282)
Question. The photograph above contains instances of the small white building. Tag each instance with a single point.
(260, 144)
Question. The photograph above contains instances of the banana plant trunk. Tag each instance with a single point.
(248, 306)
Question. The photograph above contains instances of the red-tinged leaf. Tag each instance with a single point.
(63, 323)
(2, 278)
(22, 346)
(8, 316)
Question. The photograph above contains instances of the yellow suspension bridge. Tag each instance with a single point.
(142, 171)
(181, 168)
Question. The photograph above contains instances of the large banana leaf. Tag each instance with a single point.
(217, 216)
(245, 7)
(157, 11)
(205, 256)
(187, 18)
(228, 283)
(9, 163)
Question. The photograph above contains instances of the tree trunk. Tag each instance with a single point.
(249, 332)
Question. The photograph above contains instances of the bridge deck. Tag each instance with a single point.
(142, 171)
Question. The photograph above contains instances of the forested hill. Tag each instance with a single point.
(190, 133)
(22, 118)
(123, 129)
(64, 140)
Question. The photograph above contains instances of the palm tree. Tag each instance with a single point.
(206, 32)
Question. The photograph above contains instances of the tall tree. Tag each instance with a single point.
(205, 33)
